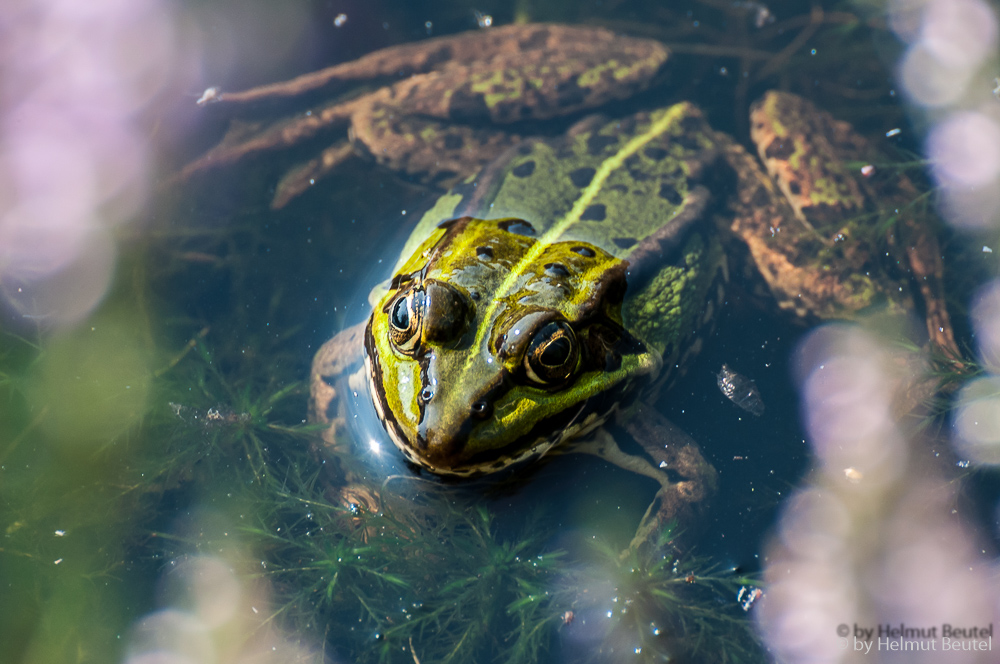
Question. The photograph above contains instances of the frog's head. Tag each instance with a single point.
(491, 346)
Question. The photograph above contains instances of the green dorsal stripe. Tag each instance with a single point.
(587, 196)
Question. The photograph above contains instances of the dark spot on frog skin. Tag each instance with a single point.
(656, 154)
(442, 176)
(624, 242)
(523, 170)
(466, 106)
(586, 252)
(670, 194)
(524, 149)
(556, 270)
(581, 177)
(537, 39)
(517, 227)
(484, 253)
(689, 143)
(760, 198)
(598, 142)
(779, 149)
(596, 212)
(453, 142)
(627, 125)
(569, 93)
(692, 125)
(794, 187)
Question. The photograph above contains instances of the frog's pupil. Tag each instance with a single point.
(557, 352)
(400, 315)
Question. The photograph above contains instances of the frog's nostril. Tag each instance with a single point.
(482, 409)
(426, 394)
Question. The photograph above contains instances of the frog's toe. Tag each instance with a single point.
(679, 507)
(298, 180)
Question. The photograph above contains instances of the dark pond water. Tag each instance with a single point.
(165, 498)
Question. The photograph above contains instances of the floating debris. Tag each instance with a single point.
(740, 390)
(209, 96)
(340, 20)
(853, 475)
(212, 416)
(996, 90)
(867, 170)
(483, 20)
(987, 250)
(893, 132)
(748, 595)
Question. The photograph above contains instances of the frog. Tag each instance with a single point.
(544, 304)
(451, 105)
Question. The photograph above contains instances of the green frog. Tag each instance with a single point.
(562, 288)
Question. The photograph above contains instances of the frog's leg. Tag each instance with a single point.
(686, 479)
(924, 254)
(405, 60)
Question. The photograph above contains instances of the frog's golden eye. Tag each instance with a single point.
(405, 315)
(552, 354)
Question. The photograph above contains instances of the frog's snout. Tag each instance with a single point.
(444, 433)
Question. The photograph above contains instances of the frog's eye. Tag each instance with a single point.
(552, 354)
(405, 314)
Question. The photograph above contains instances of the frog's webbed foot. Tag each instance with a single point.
(296, 181)
(686, 479)
(245, 139)
(693, 480)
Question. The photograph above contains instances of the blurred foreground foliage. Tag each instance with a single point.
(171, 423)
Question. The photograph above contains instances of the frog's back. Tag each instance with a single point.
(612, 184)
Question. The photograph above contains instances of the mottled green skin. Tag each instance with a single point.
(600, 201)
